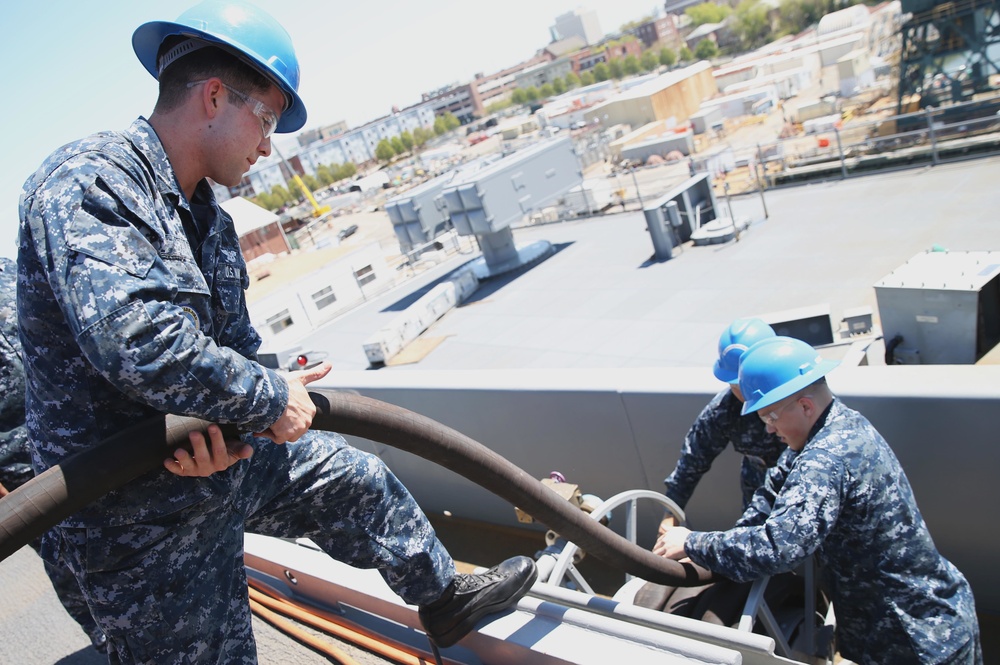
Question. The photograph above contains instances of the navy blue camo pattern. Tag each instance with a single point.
(719, 425)
(132, 304)
(845, 498)
(15, 463)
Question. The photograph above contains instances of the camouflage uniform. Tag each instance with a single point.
(845, 497)
(131, 303)
(15, 460)
(718, 425)
(15, 464)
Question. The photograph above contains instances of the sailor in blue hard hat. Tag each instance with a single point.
(785, 375)
(238, 28)
(721, 424)
(131, 303)
(838, 493)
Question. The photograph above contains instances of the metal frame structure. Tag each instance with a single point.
(937, 37)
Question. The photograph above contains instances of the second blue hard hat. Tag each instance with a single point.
(242, 29)
(734, 341)
(775, 368)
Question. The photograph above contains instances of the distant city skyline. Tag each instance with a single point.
(71, 70)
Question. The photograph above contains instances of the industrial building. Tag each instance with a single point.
(676, 94)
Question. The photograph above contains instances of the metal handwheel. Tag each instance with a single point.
(564, 561)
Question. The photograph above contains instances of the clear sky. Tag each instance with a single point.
(69, 69)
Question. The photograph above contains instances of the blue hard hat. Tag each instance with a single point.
(775, 368)
(241, 29)
(737, 338)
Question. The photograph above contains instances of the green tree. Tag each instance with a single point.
(616, 69)
(295, 194)
(324, 174)
(281, 195)
(649, 61)
(421, 135)
(546, 91)
(496, 107)
(407, 139)
(518, 96)
(439, 126)
(587, 78)
(750, 24)
(559, 86)
(384, 151)
(345, 170)
(265, 200)
(794, 16)
(451, 122)
(311, 182)
(706, 49)
(572, 81)
(601, 72)
(686, 55)
(397, 145)
(707, 12)
(631, 65)
(531, 94)
(667, 57)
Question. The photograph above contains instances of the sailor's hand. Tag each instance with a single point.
(299, 412)
(207, 458)
(671, 544)
(668, 522)
(3, 491)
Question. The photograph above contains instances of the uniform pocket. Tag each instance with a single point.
(105, 230)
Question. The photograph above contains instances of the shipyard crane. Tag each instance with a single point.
(318, 211)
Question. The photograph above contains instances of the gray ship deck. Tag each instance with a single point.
(601, 301)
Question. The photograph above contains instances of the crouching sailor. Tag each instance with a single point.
(839, 492)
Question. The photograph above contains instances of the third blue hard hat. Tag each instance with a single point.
(773, 369)
(242, 29)
(737, 338)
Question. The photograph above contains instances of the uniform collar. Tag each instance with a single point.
(142, 135)
(823, 418)
(144, 138)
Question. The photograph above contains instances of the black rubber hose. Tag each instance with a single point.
(64, 489)
(52, 496)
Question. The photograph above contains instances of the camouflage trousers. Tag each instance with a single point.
(173, 590)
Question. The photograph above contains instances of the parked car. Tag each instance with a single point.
(291, 359)
(346, 232)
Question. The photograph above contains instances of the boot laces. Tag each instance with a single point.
(464, 583)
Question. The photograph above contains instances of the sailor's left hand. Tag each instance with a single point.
(670, 545)
(207, 458)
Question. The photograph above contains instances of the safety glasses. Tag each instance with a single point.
(268, 118)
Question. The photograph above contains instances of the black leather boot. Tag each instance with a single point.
(471, 597)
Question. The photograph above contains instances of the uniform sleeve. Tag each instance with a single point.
(704, 442)
(803, 513)
(92, 226)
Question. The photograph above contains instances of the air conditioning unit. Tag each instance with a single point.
(941, 307)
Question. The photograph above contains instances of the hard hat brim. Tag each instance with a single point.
(821, 369)
(146, 42)
(722, 374)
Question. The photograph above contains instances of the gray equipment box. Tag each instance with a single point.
(503, 193)
(415, 216)
(944, 305)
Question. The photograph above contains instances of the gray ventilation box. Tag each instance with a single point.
(811, 324)
(490, 200)
(944, 305)
(858, 320)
